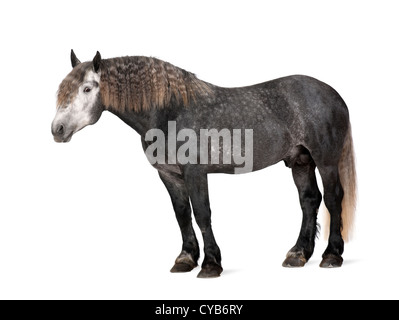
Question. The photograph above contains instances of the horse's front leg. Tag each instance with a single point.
(188, 258)
(197, 185)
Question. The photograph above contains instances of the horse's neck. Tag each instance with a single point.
(139, 121)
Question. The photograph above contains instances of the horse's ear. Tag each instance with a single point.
(74, 60)
(97, 61)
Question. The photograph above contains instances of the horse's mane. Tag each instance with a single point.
(141, 83)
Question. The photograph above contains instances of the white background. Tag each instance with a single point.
(91, 219)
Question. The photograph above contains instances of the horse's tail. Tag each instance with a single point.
(347, 175)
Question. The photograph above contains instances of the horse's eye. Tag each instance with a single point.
(86, 90)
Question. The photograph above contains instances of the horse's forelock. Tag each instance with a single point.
(68, 88)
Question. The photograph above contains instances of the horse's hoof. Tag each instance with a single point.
(210, 271)
(294, 260)
(184, 263)
(331, 261)
(182, 267)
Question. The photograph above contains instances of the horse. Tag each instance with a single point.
(296, 119)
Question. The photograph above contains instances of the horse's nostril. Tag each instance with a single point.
(60, 129)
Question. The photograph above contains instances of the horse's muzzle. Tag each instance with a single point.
(59, 133)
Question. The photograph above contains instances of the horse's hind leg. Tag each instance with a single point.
(333, 195)
(187, 259)
(303, 172)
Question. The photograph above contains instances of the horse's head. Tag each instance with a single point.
(79, 102)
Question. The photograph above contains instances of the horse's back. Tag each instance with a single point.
(302, 96)
(284, 100)
(293, 111)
